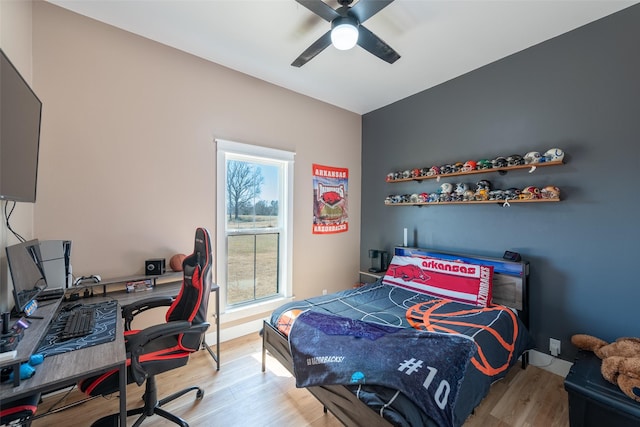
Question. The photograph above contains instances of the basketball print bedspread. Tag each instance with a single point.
(486, 342)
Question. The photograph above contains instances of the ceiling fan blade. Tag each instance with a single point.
(372, 43)
(365, 9)
(320, 8)
(318, 46)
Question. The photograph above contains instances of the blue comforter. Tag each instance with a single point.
(495, 337)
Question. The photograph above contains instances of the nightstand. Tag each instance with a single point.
(369, 277)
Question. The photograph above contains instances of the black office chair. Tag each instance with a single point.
(19, 412)
(167, 346)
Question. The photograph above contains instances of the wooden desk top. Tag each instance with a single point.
(35, 332)
(66, 368)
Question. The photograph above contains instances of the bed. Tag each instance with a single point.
(419, 347)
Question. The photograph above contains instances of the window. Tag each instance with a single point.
(255, 187)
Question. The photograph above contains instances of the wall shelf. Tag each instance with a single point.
(502, 171)
(476, 202)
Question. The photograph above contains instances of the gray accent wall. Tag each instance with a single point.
(579, 92)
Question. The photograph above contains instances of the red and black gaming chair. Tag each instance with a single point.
(167, 346)
(19, 412)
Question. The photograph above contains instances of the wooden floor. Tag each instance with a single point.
(241, 395)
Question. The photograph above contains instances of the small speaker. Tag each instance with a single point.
(154, 267)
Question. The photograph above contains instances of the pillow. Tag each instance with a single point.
(453, 280)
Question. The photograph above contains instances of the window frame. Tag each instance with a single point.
(271, 155)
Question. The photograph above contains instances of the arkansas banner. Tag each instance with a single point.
(462, 282)
(330, 206)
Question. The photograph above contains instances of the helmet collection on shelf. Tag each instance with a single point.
(483, 191)
(532, 158)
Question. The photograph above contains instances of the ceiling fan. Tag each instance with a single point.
(347, 29)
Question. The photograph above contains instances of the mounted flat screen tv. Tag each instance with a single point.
(20, 115)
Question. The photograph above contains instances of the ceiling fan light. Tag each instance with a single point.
(344, 36)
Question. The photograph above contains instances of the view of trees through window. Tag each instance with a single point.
(253, 229)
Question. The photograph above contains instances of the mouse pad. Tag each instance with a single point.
(104, 331)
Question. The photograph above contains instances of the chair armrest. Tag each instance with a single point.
(137, 342)
(129, 311)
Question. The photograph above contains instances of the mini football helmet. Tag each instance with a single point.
(434, 197)
(424, 197)
(512, 193)
(457, 167)
(414, 198)
(515, 160)
(460, 188)
(482, 194)
(444, 169)
(529, 193)
(553, 155)
(469, 165)
(455, 197)
(434, 170)
(391, 176)
(496, 195)
(406, 174)
(532, 157)
(468, 195)
(484, 164)
(444, 197)
(446, 188)
(424, 172)
(483, 184)
(499, 162)
(415, 173)
(550, 192)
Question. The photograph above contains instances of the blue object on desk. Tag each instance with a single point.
(26, 371)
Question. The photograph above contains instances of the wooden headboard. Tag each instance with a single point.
(510, 278)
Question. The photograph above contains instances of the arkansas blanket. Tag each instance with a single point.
(427, 367)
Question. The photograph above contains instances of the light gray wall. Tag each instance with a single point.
(579, 92)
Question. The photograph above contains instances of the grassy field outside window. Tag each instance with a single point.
(252, 267)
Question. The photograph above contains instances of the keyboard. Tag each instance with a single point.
(79, 323)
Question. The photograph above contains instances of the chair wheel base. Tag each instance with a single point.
(112, 420)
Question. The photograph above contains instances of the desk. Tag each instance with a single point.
(215, 288)
(67, 368)
(171, 289)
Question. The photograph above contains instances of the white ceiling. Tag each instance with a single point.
(437, 39)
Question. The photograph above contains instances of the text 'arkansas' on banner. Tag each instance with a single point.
(330, 200)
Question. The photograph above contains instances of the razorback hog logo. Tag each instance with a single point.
(409, 273)
(331, 197)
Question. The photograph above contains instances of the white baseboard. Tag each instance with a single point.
(234, 332)
(549, 363)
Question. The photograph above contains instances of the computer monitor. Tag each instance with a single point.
(27, 273)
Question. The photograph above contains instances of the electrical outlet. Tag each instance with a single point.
(554, 346)
(324, 292)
